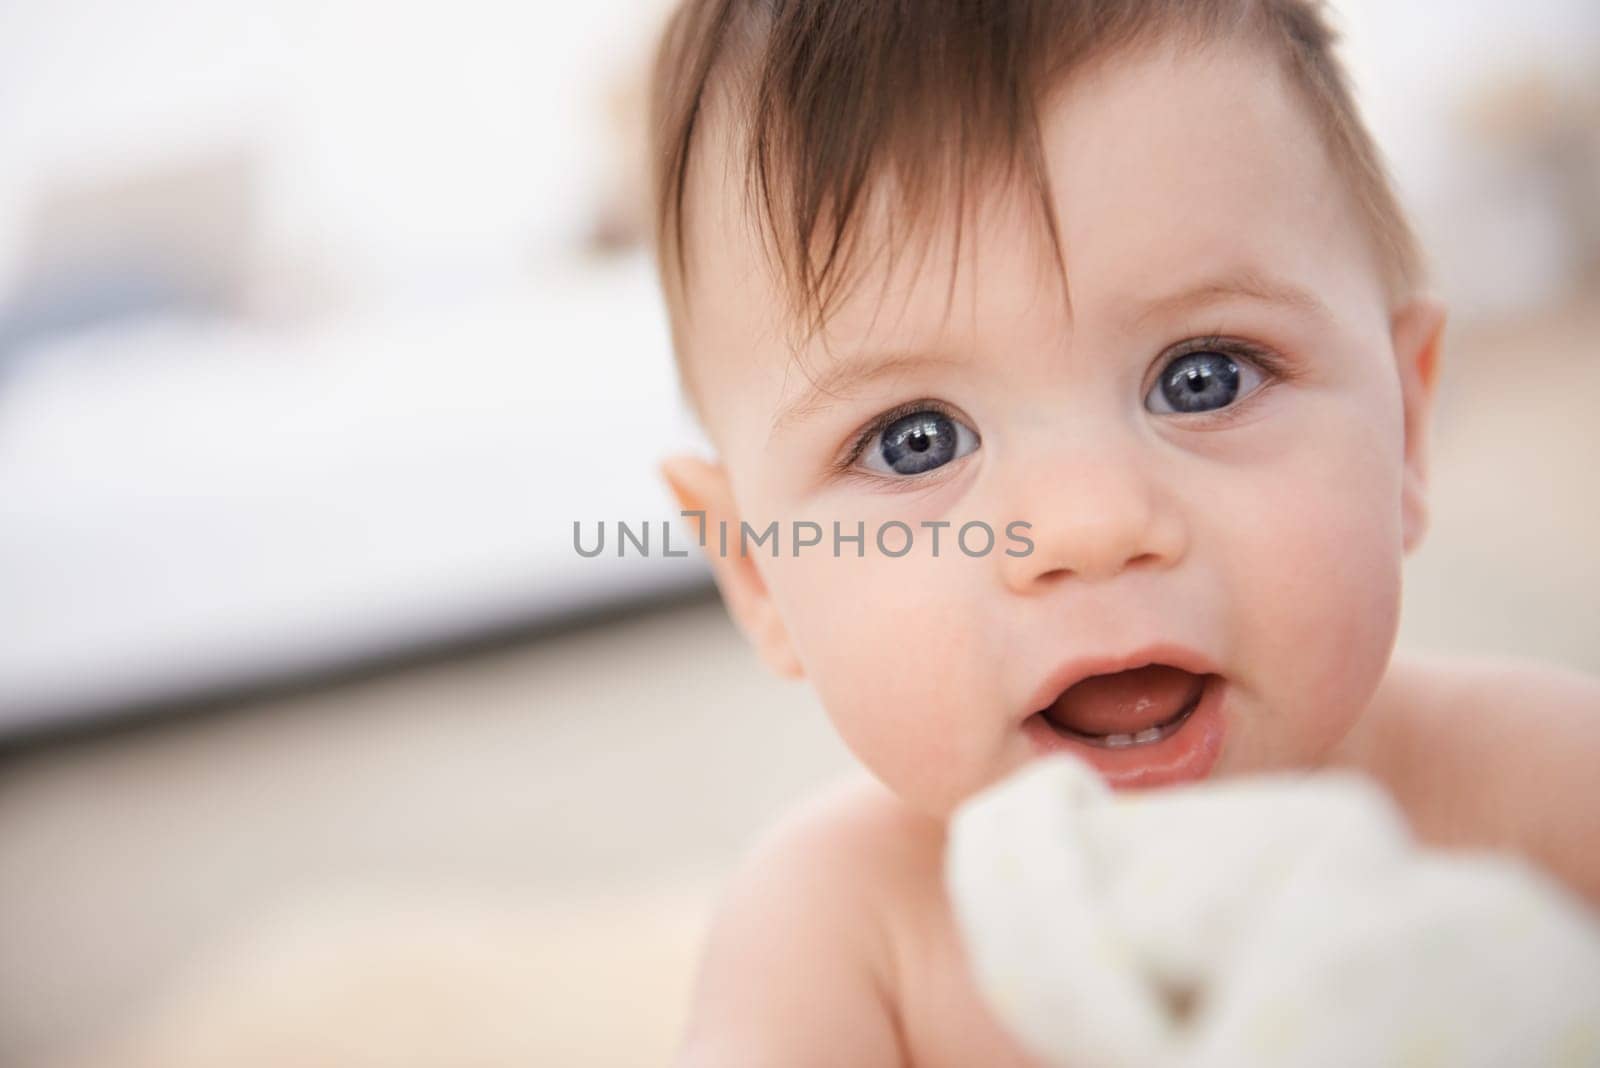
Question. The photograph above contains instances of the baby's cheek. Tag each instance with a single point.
(897, 661)
(1324, 568)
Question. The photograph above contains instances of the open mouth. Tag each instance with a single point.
(1124, 739)
(1149, 725)
(1138, 706)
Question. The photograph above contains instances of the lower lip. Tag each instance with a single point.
(1187, 754)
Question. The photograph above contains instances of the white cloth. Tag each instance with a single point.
(1267, 921)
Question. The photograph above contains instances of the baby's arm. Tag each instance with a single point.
(1499, 754)
(794, 965)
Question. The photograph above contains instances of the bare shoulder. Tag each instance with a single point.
(854, 848)
(855, 822)
(797, 963)
(1492, 751)
(1432, 706)
(1427, 678)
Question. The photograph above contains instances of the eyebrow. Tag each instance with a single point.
(1247, 283)
(847, 376)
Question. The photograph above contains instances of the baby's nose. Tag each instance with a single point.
(1092, 516)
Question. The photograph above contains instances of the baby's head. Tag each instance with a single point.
(1121, 282)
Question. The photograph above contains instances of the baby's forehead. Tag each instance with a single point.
(1159, 170)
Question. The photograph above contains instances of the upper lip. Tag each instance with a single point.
(1074, 671)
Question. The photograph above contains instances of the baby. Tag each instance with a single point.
(1069, 366)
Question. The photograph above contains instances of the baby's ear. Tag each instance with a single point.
(1417, 329)
(702, 486)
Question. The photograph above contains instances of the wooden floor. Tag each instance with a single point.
(507, 858)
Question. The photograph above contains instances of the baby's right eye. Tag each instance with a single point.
(908, 443)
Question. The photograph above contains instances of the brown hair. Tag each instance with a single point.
(830, 95)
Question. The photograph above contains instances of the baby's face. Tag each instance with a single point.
(1210, 449)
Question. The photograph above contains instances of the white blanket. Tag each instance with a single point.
(1267, 921)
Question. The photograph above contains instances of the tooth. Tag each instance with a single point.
(1117, 741)
(1149, 734)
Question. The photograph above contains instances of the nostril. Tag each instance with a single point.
(1144, 560)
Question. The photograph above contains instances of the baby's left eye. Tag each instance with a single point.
(917, 442)
(1202, 382)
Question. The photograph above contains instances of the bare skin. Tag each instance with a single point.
(835, 944)
(1265, 538)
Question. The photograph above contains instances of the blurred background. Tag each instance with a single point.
(321, 323)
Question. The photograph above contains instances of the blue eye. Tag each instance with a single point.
(917, 443)
(1201, 382)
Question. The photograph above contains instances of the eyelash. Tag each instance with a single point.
(1264, 358)
(864, 437)
(1275, 366)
